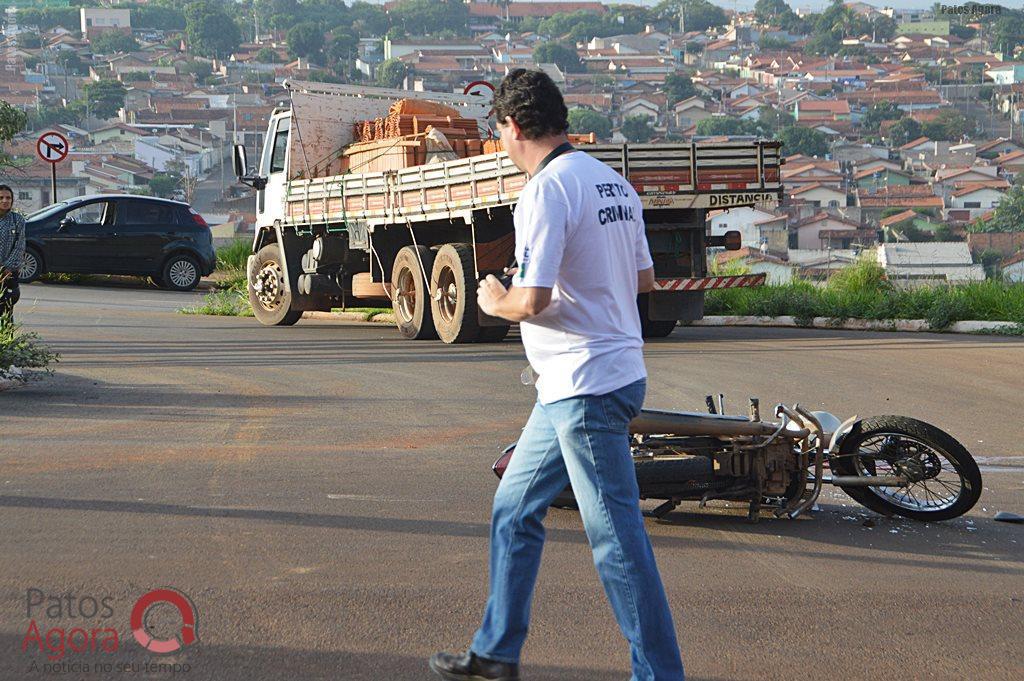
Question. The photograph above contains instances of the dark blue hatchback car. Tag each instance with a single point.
(165, 240)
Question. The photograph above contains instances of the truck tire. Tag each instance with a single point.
(409, 293)
(453, 294)
(653, 328)
(492, 334)
(270, 301)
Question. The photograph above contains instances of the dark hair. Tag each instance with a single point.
(533, 101)
(5, 188)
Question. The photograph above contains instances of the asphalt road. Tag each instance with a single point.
(322, 493)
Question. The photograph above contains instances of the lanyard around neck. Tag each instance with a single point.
(562, 148)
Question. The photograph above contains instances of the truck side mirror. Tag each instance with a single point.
(239, 160)
(241, 167)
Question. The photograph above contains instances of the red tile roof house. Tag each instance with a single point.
(973, 199)
(819, 195)
(873, 202)
(1013, 268)
(811, 233)
(822, 110)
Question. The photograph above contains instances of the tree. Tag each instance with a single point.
(720, 125)
(698, 15)
(767, 11)
(343, 47)
(110, 42)
(12, 121)
(903, 131)
(29, 41)
(157, 17)
(637, 129)
(1008, 216)
(583, 121)
(104, 97)
(267, 56)
(772, 120)
(210, 31)
(678, 87)
(1008, 32)
(948, 125)
(305, 40)
(165, 184)
(562, 56)
(806, 141)
(70, 61)
(368, 20)
(424, 17)
(878, 112)
(392, 73)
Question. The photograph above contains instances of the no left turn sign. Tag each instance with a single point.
(52, 147)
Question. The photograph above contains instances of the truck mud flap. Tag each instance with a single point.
(685, 306)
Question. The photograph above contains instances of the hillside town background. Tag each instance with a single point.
(902, 128)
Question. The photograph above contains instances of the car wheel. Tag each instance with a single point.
(31, 266)
(181, 272)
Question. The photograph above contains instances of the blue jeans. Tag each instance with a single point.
(584, 440)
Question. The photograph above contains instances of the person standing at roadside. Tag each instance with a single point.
(12, 251)
(582, 258)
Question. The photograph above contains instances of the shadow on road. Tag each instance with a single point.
(271, 663)
(825, 529)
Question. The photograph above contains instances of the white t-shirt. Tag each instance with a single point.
(580, 232)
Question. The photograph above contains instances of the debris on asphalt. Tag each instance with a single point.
(868, 523)
(1007, 517)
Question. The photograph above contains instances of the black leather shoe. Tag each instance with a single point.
(468, 667)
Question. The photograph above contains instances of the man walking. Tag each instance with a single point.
(12, 250)
(583, 257)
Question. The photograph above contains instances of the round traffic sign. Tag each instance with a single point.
(479, 88)
(52, 147)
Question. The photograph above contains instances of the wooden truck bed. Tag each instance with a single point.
(684, 175)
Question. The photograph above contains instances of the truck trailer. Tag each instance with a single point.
(418, 237)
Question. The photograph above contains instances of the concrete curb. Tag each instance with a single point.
(906, 325)
(853, 324)
(379, 318)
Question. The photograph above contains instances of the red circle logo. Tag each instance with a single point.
(188, 620)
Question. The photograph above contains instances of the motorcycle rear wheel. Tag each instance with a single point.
(875, 446)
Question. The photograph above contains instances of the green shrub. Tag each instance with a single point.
(23, 351)
(861, 292)
(234, 255)
(222, 303)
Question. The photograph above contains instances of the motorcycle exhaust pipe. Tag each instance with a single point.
(656, 422)
(870, 480)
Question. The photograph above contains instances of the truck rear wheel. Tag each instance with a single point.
(409, 298)
(269, 297)
(453, 294)
(493, 334)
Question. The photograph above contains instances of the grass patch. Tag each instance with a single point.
(223, 304)
(23, 355)
(368, 311)
(231, 261)
(862, 292)
(234, 255)
(66, 278)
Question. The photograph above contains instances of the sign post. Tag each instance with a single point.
(53, 147)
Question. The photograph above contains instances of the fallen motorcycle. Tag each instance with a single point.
(890, 464)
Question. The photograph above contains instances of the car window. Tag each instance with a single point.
(280, 146)
(145, 213)
(48, 211)
(89, 214)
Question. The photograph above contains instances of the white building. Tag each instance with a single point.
(95, 20)
(743, 220)
(910, 263)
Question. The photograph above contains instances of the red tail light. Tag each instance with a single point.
(198, 219)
